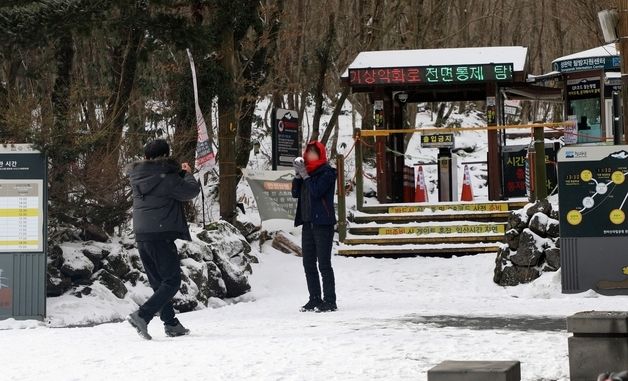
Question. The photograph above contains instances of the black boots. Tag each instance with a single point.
(326, 307)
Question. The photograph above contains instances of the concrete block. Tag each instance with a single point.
(476, 371)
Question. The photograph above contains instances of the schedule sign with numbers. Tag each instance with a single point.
(21, 215)
(23, 232)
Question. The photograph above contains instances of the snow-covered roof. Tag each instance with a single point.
(517, 55)
(608, 50)
(604, 57)
(613, 75)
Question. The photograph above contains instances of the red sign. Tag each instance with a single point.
(401, 75)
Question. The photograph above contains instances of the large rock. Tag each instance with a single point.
(55, 256)
(515, 275)
(197, 273)
(249, 230)
(117, 263)
(500, 261)
(91, 232)
(76, 265)
(553, 228)
(223, 237)
(530, 250)
(112, 282)
(538, 223)
(512, 238)
(231, 254)
(517, 220)
(56, 283)
(542, 206)
(235, 277)
(216, 287)
(552, 258)
(186, 299)
(96, 256)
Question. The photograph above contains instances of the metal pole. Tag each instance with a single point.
(359, 176)
(342, 202)
(622, 28)
(617, 122)
(540, 175)
(203, 201)
(273, 157)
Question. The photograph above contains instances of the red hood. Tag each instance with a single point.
(312, 166)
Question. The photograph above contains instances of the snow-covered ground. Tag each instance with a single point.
(380, 331)
(376, 334)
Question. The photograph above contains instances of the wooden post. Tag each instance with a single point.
(359, 176)
(342, 202)
(622, 28)
(540, 175)
(494, 146)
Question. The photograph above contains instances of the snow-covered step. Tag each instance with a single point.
(492, 216)
(405, 239)
(434, 250)
(446, 207)
(429, 228)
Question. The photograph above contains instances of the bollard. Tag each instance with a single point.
(342, 201)
(359, 176)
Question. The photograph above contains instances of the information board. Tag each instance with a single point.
(514, 160)
(21, 215)
(593, 196)
(593, 192)
(285, 138)
(23, 201)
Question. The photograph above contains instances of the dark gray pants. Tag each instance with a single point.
(161, 263)
(317, 241)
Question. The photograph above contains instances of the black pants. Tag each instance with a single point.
(317, 243)
(161, 262)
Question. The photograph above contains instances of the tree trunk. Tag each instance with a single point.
(324, 58)
(227, 127)
(61, 137)
(333, 122)
(255, 75)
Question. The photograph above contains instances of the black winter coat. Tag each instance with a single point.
(160, 188)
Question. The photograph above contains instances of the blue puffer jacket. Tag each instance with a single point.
(321, 186)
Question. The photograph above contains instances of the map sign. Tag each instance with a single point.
(593, 188)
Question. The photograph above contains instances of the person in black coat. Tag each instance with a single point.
(314, 187)
(160, 187)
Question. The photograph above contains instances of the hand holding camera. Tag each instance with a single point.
(299, 168)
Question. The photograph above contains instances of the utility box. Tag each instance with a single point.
(23, 232)
(593, 203)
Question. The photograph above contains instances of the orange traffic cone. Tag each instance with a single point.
(467, 188)
(420, 192)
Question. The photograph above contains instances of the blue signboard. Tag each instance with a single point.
(587, 64)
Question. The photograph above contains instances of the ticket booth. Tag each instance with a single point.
(589, 81)
(23, 232)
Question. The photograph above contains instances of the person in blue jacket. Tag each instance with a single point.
(314, 187)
